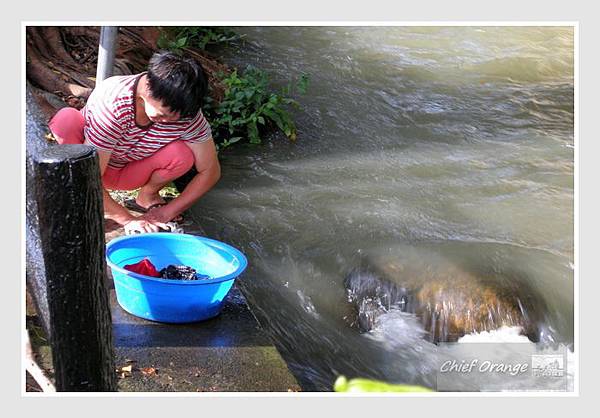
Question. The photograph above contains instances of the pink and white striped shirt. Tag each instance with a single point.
(110, 124)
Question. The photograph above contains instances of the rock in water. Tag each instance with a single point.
(449, 301)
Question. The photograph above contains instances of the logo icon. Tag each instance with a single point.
(547, 365)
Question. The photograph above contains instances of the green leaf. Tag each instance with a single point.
(163, 41)
(253, 133)
(247, 102)
(275, 118)
(366, 385)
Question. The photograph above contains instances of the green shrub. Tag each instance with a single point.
(249, 107)
(178, 37)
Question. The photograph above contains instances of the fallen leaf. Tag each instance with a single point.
(148, 371)
(124, 371)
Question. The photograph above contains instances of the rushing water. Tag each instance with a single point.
(413, 142)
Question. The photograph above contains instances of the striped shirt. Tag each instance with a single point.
(110, 124)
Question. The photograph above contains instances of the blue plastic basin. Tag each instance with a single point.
(173, 301)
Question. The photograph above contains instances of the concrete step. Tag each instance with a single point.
(227, 353)
(230, 352)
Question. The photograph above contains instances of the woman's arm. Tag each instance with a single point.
(209, 172)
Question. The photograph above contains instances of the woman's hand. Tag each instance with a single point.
(159, 215)
(140, 225)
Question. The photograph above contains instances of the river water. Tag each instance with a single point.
(414, 142)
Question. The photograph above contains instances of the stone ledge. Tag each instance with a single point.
(230, 352)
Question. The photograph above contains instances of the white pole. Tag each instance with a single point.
(106, 53)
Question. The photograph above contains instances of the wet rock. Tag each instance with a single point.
(449, 301)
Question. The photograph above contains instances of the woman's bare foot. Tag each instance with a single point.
(147, 201)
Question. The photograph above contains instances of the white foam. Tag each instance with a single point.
(503, 334)
(396, 328)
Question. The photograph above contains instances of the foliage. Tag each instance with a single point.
(249, 106)
(342, 384)
(178, 37)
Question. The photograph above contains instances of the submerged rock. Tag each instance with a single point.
(449, 301)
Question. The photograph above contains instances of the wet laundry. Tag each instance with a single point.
(144, 267)
(171, 272)
(176, 272)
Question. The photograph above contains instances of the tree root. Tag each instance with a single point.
(62, 60)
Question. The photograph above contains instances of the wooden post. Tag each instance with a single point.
(68, 196)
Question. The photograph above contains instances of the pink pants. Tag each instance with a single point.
(168, 163)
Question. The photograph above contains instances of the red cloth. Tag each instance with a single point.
(144, 267)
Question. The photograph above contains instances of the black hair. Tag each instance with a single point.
(178, 81)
